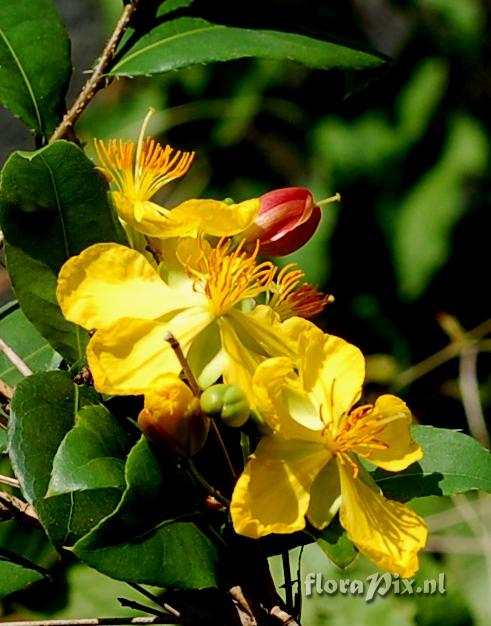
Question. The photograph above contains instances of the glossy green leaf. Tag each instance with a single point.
(53, 204)
(43, 410)
(18, 332)
(187, 41)
(92, 455)
(452, 463)
(334, 543)
(152, 537)
(35, 62)
(16, 573)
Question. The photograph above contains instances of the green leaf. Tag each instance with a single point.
(92, 455)
(3, 441)
(53, 204)
(187, 41)
(334, 543)
(35, 62)
(18, 332)
(35, 287)
(152, 536)
(43, 410)
(452, 463)
(16, 573)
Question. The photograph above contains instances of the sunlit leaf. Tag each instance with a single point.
(43, 410)
(53, 204)
(18, 332)
(93, 453)
(452, 463)
(35, 62)
(187, 41)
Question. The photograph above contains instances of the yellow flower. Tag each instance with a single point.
(114, 290)
(138, 171)
(309, 468)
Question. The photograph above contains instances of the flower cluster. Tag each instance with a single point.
(194, 273)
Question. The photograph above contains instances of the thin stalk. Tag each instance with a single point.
(97, 78)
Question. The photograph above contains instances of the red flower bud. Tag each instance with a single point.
(172, 417)
(287, 219)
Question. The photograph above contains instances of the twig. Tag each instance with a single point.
(288, 585)
(153, 598)
(6, 390)
(195, 388)
(176, 346)
(131, 604)
(15, 359)
(469, 390)
(8, 480)
(14, 508)
(94, 621)
(204, 483)
(96, 80)
(221, 443)
(442, 356)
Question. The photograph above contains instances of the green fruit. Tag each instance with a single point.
(228, 402)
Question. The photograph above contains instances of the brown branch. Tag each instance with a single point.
(193, 383)
(469, 390)
(15, 508)
(97, 79)
(6, 390)
(15, 359)
(8, 480)
(442, 356)
(95, 621)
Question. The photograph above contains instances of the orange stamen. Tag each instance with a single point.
(290, 298)
(227, 278)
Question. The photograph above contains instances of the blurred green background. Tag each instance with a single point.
(408, 149)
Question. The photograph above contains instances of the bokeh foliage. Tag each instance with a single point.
(407, 147)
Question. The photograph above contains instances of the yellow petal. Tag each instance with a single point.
(325, 496)
(272, 494)
(247, 340)
(333, 370)
(152, 219)
(128, 357)
(387, 532)
(278, 393)
(107, 282)
(401, 450)
(218, 218)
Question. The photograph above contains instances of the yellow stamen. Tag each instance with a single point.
(227, 278)
(290, 298)
(139, 176)
(359, 429)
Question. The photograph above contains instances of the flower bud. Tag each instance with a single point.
(227, 402)
(287, 219)
(172, 416)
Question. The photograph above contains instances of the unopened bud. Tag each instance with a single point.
(227, 402)
(287, 219)
(172, 416)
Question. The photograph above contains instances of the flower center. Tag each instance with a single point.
(358, 433)
(290, 298)
(229, 277)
